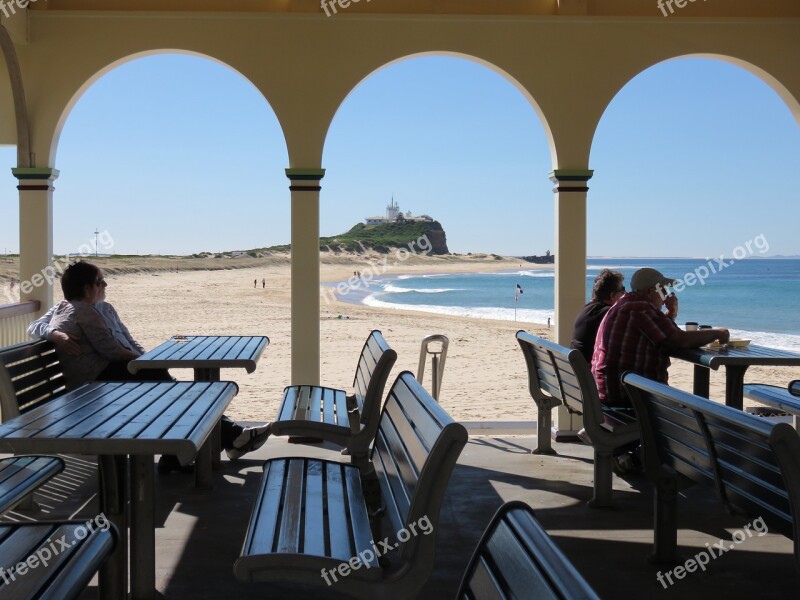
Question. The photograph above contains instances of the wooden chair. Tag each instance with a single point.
(558, 375)
(327, 413)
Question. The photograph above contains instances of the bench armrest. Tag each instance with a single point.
(794, 387)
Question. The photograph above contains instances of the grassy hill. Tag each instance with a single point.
(383, 238)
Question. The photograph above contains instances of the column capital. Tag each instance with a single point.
(305, 180)
(35, 178)
(570, 180)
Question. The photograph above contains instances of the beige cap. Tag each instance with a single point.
(647, 278)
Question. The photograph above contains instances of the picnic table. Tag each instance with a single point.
(736, 362)
(124, 422)
(206, 355)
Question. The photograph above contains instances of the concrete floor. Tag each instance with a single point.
(199, 533)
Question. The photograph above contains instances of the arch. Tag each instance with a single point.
(475, 59)
(792, 103)
(130, 58)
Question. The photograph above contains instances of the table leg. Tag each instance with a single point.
(702, 381)
(113, 575)
(734, 385)
(203, 477)
(143, 531)
(212, 374)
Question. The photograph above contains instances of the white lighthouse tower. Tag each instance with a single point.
(392, 211)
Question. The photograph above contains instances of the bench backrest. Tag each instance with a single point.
(30, 374)
(416, 448)
(517, 559)
(561, 373)
(753, 464)
(374, 365)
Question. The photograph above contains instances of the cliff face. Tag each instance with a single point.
(438, 240)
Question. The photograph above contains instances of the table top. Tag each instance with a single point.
(203, 352)
(123, 418)
(751, 355)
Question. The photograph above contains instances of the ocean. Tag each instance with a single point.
(756, 299)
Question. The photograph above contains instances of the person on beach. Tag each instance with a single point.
(263, 283)
(94, 345)
(607, 289)
(636, 335)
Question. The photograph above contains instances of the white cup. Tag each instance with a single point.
(691, 326)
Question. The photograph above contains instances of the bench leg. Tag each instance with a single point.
(544, 424)
(602, 479)
(665, 534)
(113, 575)
(143, 530)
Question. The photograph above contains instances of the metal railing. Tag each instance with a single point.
(14, 321)
(439, 355)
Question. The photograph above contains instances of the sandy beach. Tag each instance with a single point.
(485, 377)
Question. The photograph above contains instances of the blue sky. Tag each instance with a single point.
(177, 154)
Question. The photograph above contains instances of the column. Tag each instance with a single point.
(570, 276)
(305, 190)
(36, 272)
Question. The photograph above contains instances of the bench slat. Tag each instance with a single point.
(338, 530)
(314, 517)
(292, 507)
(264, 523)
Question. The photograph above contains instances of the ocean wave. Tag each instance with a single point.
(393, 289)
(613, 267)
(525, 315)
(779, 341)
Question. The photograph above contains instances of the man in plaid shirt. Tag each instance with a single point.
(636, 335)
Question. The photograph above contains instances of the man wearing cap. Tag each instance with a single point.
(636, 335)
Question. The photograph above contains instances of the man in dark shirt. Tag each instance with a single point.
(606, 291)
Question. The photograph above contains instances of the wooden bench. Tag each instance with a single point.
(328, 414)
(753, 465)
(30, 375)
(517, 559)
(36, 563)
(558, 375)
(21, 475)
(786, 399)
(311, 517)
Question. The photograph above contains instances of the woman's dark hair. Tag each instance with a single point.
(606, 284)
(75, 279)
